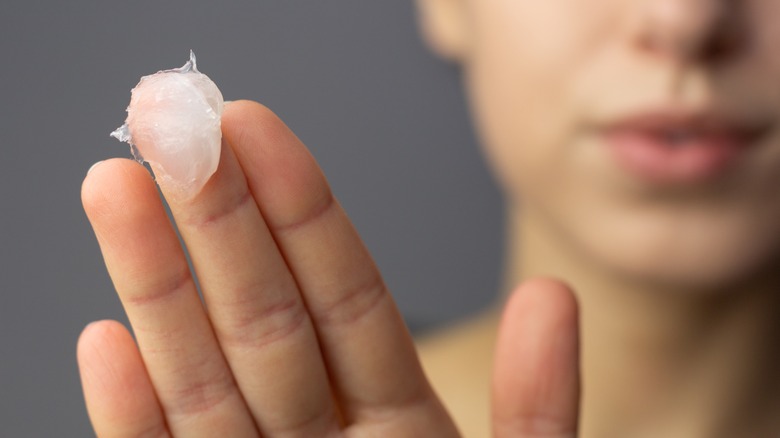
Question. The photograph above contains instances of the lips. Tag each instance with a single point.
(675, 148)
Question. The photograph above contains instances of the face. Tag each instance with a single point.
(647, 132)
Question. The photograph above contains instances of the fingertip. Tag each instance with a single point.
(119, 396)
(242, 112)
(110, 183)
(283, 175)
(247, 121)
(102, 332)
(94, 331)
(92, 167)
(95, 339)
(544, 295)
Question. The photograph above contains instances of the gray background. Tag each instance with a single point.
(386, 120)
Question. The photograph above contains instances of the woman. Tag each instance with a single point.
(637, 146)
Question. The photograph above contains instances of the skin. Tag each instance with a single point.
(295, 307)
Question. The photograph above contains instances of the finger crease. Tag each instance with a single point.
(305, 425)
(313, 215)
(229, 209)
(163, 291)
(200, 396)
(155, 430)
(268, 326)
(352, 305)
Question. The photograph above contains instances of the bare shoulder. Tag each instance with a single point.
(458, 361)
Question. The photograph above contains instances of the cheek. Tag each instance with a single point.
(764, 13)
(520, 82)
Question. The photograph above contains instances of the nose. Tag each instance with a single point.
(689, 29)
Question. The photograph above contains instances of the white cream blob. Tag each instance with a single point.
(173, 123)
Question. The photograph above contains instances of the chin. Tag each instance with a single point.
(706, 274)
(706, 257)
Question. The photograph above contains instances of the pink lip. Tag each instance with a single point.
(673, 148)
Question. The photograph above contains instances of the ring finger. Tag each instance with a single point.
(256, 310)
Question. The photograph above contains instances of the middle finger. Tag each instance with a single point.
(253, 302)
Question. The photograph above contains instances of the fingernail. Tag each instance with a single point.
(93, 166)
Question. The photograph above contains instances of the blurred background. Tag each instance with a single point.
(386, 120)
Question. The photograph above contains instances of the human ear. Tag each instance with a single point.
(445, 27)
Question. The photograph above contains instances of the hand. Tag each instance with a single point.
(298, 335)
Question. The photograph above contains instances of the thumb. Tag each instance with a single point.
(536, 382)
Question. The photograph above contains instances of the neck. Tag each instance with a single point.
(671, 363)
